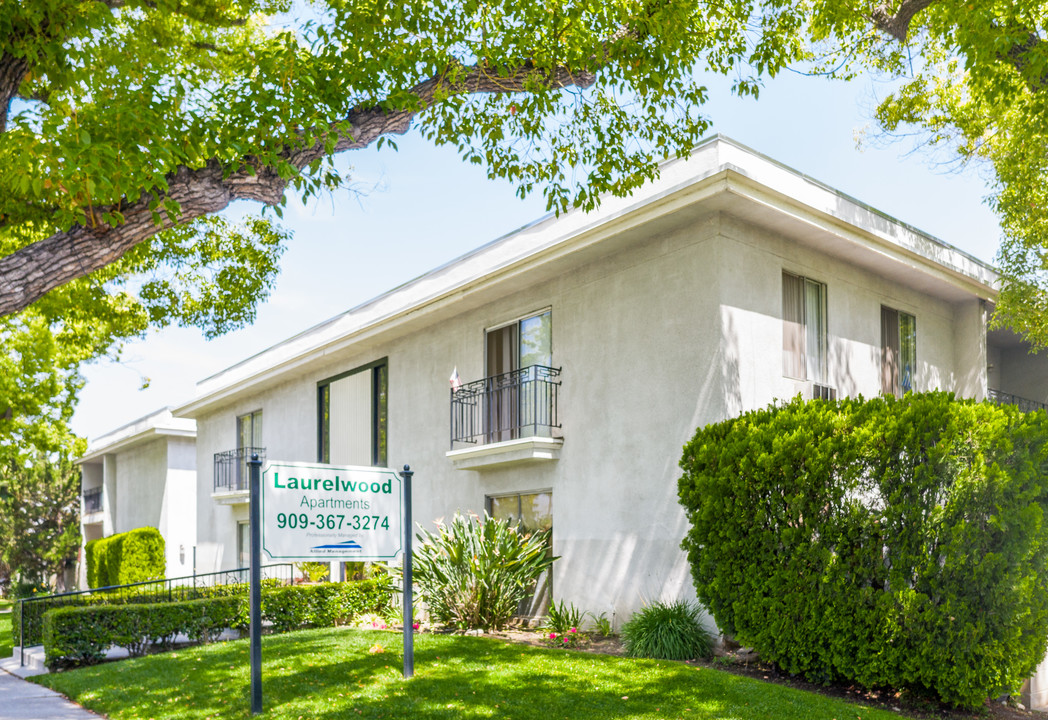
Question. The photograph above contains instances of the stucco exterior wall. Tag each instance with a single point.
(177, 521)
(662, 335)
(1023, 373)
(140, 472)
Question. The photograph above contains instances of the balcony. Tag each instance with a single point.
(232, 475)
(1022, 403)
(506, 419)
(92, 500)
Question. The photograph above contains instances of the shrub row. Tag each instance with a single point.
(81, 635)
(35, 610)
(125, 558)
(893, 543)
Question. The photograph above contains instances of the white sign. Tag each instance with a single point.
(322, 512)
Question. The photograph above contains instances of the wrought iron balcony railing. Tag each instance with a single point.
(521, 403)
(231, 470)
(1022, 403)
(92, 500)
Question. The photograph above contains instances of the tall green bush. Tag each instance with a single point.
(473, 573)
(93, 559)
(125, 558)
(136, 556)
(898, 543)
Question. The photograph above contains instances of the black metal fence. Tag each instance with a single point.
(231, 471)
(521, 403)
(92, 500)
(1022, 403)
(29, 613)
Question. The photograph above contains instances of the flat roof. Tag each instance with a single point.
(161, 423)
(720, 175)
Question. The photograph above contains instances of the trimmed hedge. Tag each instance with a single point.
(136, 596)
(894, 543)
(94, 559)
(125, 558)
(80, 635)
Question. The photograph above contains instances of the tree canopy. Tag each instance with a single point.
(120, 119)
(126, 124)
(136, 116)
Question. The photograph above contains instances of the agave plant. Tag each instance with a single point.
(473, 572)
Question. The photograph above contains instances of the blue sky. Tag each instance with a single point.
(422, 206)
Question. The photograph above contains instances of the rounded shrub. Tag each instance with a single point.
(893, 543)
(667, 632)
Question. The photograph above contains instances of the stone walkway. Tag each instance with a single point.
(22, 700)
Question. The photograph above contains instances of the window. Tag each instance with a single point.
(352, 417)
(803, 328)
(249, 441)
(249, 430)
(519, 356)
(530, 512)
(898, 351)
(243, 544)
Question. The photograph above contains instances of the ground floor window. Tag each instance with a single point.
(530, 512)
(243, 544)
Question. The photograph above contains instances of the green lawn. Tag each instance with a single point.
(6, 646)
(330, 673)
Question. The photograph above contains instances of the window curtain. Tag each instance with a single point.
(793, 319)
(890, 351)
(815, 331)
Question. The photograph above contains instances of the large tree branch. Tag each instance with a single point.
(32, 271)
(1018, 54)
(12, 72)
(897, 24)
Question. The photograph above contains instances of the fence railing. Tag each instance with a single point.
(92, 500)
(521, 403)
(28, 626)
(1024, 404)
(231, 470)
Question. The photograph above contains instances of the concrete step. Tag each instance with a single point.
(34, 656)
(34, 662)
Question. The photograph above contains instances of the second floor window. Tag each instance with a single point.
(803, 328)
(898, 351)
(249, 430)
(518, 355)
(353, 417)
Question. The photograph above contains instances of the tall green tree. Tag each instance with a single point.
(40, 518)
(125, 125)
(972, 79)
(120, 118)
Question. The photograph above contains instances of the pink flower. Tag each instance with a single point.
(414, 626)
(565, 638)
(553, 636)
(383, 626)
(574, 630)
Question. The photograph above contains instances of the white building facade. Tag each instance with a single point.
(143, 475)
(591, 346)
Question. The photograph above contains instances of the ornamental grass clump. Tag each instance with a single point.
(473, 572)
(667, 632)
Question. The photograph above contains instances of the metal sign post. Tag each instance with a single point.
(256, 583)
(409, 629)
(305, 511)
